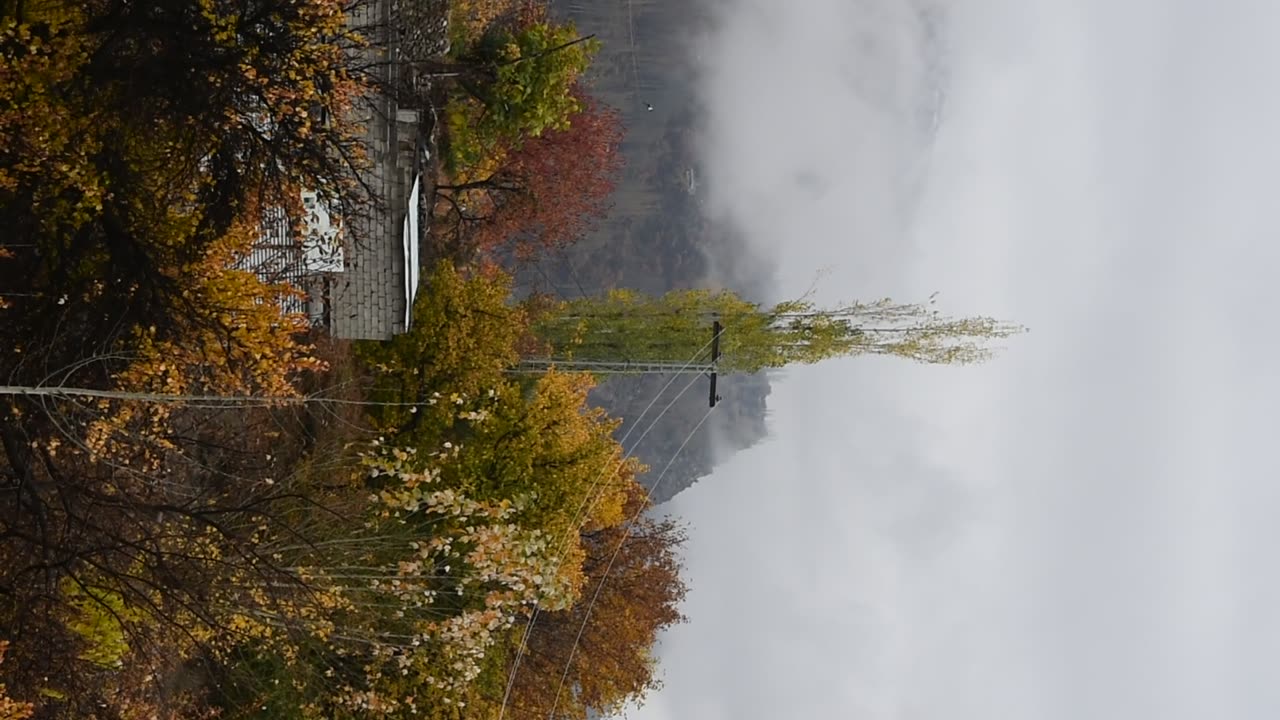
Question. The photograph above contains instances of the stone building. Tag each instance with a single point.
(360, 275)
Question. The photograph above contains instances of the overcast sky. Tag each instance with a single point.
(1085, 527)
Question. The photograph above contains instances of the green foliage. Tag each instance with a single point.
(469, 20)
(462, 340)
(547, 450)
(625, 325)
(468, 151)
(536, 68)
(521, 87)
(98, 617)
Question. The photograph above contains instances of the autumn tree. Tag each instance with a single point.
(544, 446)
(597, 655)
(516, 85)
(464, 337)
(140, 146)
(176, 125)
(482, 503)
(130, 541)
(171, 129)
(548, 191)
(387, 585)
(625, 325)
(398, 612)
(539, 440)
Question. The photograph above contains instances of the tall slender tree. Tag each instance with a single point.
(627, 326)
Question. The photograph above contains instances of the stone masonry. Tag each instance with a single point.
(367, 300)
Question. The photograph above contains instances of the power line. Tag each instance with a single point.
(613, 557)
(589, 498)
(215, 401)
(222, 401)
(636, 367)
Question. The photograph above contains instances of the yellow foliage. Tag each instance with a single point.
(45, 145)
(98, 618)
(233, 340)
(472, 155)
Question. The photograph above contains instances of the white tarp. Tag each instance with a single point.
(411, 250)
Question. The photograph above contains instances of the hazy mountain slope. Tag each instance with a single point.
(656, 238)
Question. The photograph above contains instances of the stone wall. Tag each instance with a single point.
(367, 300)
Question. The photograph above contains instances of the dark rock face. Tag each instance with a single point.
(656, 237)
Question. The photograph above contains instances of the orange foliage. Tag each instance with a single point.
(11, 709)
(597, 655)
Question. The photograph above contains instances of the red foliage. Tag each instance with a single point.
(551, 190)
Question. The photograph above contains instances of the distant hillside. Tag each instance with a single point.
(656, 237)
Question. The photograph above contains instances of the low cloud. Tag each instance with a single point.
(1081, 528)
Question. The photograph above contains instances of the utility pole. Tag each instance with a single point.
(535, 366)
(716, 329)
